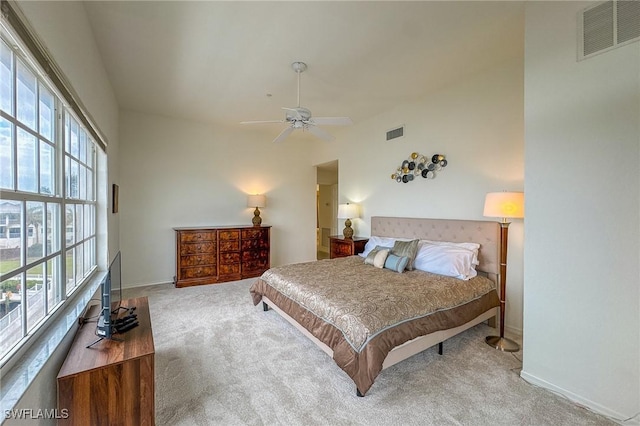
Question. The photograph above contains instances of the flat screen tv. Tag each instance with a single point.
(115, 277)
(111, 297)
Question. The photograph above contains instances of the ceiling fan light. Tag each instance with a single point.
(299, 66)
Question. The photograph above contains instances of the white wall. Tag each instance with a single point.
(177, 173)
(64, 29)
(478, 124)
(582, 277)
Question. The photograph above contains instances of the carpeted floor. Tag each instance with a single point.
(222, 361)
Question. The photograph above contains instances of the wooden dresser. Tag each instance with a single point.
(340, 246)
(207, 255)
(112, 382)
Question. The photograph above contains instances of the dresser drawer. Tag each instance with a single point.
(229, 258)
(254, 244)
(255, 265)
(229, 269)
(255, 255)
(197, 236)
(228, 235)
(255, 233)
(229, 245)
(342, 249)
(198, 272)
(197, 248)
(198, 260)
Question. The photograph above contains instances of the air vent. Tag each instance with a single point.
(628, 20)
(395, 133)
(607, 26)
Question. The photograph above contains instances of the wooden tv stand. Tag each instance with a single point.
(111, 382)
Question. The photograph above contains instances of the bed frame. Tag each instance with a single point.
(486, 233)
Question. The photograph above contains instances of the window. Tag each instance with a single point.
(47, 198)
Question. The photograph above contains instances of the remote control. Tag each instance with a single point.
(123, 321)
(127, 317)
(127, 327)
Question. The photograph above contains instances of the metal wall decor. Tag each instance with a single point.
(418, 165)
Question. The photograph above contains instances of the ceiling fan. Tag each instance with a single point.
(300, 117)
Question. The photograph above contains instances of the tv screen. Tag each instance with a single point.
(104, 328)
(111, 296)
(115, 276)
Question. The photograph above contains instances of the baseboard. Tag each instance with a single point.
(513, 331)
(577, 399)
(125, 287)
(128, 286)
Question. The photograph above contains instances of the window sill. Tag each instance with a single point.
(16, 380)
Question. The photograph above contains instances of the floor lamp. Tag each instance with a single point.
(504, 205)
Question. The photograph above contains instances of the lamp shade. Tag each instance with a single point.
(504, 204)
(257, 200)
(348, 211)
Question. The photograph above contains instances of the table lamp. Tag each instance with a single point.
(347, 211)
(257, 200)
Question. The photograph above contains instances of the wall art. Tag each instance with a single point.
(419, 166)
(114, 198)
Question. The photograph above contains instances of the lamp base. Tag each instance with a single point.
(502, 343)
(348, 230)
(257, 220)
(348, 233)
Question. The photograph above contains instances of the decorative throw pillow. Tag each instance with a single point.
(380, 258)
(377, 256)
(408, 249)
(396, 263)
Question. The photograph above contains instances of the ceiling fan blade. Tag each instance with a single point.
(262, 122)
(332, 121)
(283, 135)
(317, 131)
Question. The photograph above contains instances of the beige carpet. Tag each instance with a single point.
(222, 361)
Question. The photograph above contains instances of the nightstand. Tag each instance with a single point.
(340, 246)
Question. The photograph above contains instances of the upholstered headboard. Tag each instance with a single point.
(485, 233)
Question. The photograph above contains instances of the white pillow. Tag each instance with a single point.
(377, 257)
(470, 246)
(446, 260)
(377, 241)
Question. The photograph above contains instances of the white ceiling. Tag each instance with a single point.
(216, 61)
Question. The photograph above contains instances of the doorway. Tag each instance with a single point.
(326, 206)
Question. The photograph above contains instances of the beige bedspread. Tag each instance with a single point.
(362, 312)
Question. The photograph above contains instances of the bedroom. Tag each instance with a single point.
(526, 99)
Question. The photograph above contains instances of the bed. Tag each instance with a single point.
(367, 318)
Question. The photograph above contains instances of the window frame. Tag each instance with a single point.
(63, 111)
